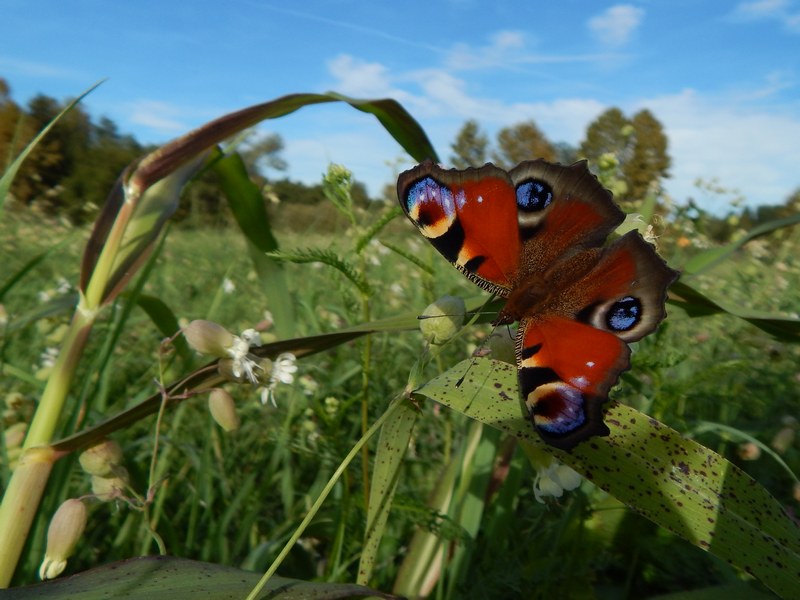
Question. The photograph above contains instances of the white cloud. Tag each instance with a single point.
(744, 147)
(13, 66)
(436, 94)
(773, 10)
(359, 78)
(509, 50)
(616, 25)
(739, 137)
(503, 48)
(161, 117)
(761, 8)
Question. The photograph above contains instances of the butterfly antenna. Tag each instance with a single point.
(479, 352)
(473, 314)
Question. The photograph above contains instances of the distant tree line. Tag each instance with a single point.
(70, 173)
(72, 170)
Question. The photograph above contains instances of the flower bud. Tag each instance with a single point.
(101, 459)
(208, 337)
(783, 440)
(13, 438)
(14, 401)
(608, 161)
(749, 451)
(441, 320)
(331, 406)
(223, 409)
(501, 343)
(109, 488)
(14, 435)
(65, 530)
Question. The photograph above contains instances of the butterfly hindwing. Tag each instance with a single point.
(571, 355)
(565, 370)
(624, 293)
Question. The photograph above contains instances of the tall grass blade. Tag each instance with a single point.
(708, 259)
(697, 304)
(392, 446)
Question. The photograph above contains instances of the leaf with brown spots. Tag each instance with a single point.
(675, 482)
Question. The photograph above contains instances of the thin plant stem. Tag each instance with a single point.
(321, 498)
(365, 375)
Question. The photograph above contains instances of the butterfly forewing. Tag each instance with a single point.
(469, 216)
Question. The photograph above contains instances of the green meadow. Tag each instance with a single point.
(443, 499)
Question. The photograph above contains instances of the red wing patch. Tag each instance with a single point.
(470, 217)
(565, 371)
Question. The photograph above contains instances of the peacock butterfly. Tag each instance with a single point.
(535, 235)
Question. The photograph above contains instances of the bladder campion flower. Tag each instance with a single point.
(65, 530)
(236, 361)
(552, 477)
(283, 370)
(223, 409)
(208, 337)
(441, 320)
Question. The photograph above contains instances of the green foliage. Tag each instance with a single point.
(639, 145)
(470, 146)
(70, 171)
(514, 144)
(520, 142)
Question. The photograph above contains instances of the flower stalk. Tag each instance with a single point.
(20, 504)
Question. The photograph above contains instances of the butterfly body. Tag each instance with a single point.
(534, 235)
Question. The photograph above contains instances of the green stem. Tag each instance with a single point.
(365, 375)
(321, 499)
(19, 506)
(48, 412)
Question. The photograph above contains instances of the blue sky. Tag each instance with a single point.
(723, 77)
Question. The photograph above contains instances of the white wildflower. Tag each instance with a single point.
(239, 352)
(283, 370)
(48, 357)
(553, 480)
